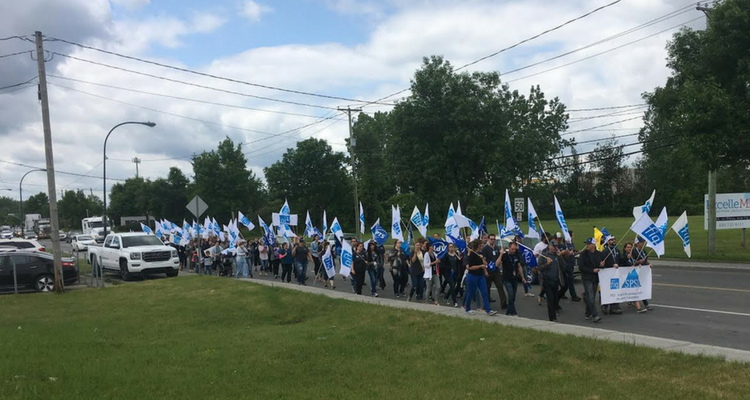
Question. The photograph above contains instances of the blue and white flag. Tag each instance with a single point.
(378, 233)
(158, 231)
(504, 233)
(417, 220)
(483, 228)
(410, 239)
(309, 230)
(533, 232)
(458, 209)
(451, 212)
(146, 229)
(268, 237)
(681, 227)
(396, 231)
(327, 260)
(286, 231)
(176, 238)
(245, 221)
(336, 229)
(528, 256)
(510, 222)
(186, 230)
(649, 231)
(405, 248)
(561, 220)
(426, 216)
(361, 219)
(459, 242)
(325, 224)
(285, 208)
(451, 227)
(646, 208)
(347, 258)
(439, 246)
(663, 221)
(474, 229)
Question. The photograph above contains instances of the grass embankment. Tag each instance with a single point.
(213, 338)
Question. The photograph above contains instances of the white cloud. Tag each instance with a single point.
(253, 10)
(131, 4)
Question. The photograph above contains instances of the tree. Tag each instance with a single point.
(9, 212)
(373, 170)
(169, 196)
(224, 182)
(129, 198)
(313, 177)
(37, 204)
(699, 121)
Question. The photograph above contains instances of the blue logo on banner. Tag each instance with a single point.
(284, 219)
(561, 221)
(346, 259)
(328, 261)
(440, 247)
(397, 228)
(632, 281)
(491, 266)
(684, 235)
(653, 235)
(614, 283)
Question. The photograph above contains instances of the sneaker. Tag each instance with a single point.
(491, 313)
(492, 300)
(576, 299)
(642, 310)
(529, 294)
(471, 312)
(398, 295)
(455, 305)
(587, 317)
(563, 297)
(649, 307)
(409, 299)
(374, 295)
(597, 318)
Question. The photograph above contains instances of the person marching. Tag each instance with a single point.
(476, 278)
(641, 259)
(627, 260)
(550, 270)
(492, 252)
(372, 267)
(611, 256)
(449, 267)
(590, 262)
(512, 273)
(359, 268)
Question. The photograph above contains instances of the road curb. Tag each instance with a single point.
(594, 332)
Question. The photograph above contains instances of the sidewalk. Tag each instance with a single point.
(701, 264)
(592, 332)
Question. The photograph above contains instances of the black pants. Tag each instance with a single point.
(359, 281)
(444, 277)
(286, 272)
(451, 288)
(404, 279)
(397, 288)
(381, 277)
(275, 267)
(496, 278)
(551, 290)
(316, 260)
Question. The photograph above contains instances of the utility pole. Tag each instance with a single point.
(136, 161)
(54, 222)
(711, 174)
(352, 145)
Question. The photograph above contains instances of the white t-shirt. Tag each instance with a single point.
(263, 250)
(539, 248)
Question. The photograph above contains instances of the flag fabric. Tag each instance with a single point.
(378, 233)
(158, 231)
(644, 227)
(439, 246)
(286, 231)
(474, 229)
(662, 222)
(681, 227)
(561, 220)
(598, 235)
(510, 222)
(451, 227)
(504, 233)
(396, 231)
(146, 229)
(416, 220)
(426, 216)
(528, 256)
(458, 209)
(309, 231)
(459, 242)
(327, 260)
(410, 239)
(533, 232)
(361, 219)
(451, 212)
(405, 248)
(325, 223)
(268, 237)
(336, 229)
(483, 228)
(245, 221)
(347, 258)
(285, 208)
(646, 208)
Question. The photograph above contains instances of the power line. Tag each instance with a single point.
(605, 108)
(609, 137)
(275, 149)
(86, 174)
(18, 84)
(184, 98)
(189, 71)
(610, 115)
(190, 83)
(28, 85)
(516, 44)
(600, 159)
(59, 172)
(603, 52)
(599, 126)
(16, 54)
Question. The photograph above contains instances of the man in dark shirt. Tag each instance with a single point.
(302, 257)
(567, 251)
(590, 262)
(641, 258)
(512, 270)
(549, 269)
(610, 255)
(491, 253)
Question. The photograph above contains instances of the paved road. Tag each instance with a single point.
(705, 306)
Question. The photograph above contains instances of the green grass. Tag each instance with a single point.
(214, 338)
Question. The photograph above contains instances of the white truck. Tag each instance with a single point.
(134, 254)
(92, 226)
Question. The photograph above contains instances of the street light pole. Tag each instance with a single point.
(20, 198)
(104, 171)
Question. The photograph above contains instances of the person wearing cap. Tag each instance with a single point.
(611, 256)
(590, 263)
(567, 251)
(538, 249)
(641, 259)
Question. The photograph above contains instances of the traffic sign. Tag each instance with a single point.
(197, 206)
(518, 204)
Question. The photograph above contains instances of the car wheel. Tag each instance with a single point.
(45, 283)
(172, 274)
(124, 273)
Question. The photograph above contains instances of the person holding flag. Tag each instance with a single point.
(590, 263)
(641, 258)
(512, 273)
(398, 266)
(611, 255)
(475, 278)
(492, 252)
(287, 263)
(550, 269)
(241, 260)
(416, 270)
(328, 271)
(449, 268)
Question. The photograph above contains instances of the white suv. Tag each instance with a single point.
(24, 244)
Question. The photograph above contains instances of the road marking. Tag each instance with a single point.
(702, 287)
(703, 310)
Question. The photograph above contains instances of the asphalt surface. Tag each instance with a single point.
(705, 306)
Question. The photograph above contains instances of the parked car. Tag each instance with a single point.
(30, 236)
(347, 236)
(82, 242)
(6, 234)
(63, 236)
(34, 269)
(24, 244)
(134, 253)
(69, 239)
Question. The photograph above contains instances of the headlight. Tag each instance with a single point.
(174, 253)
(135, 256)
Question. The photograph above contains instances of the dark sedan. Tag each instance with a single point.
(34, 270)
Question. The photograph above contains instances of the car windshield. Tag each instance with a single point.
(85, 238)
(146, 240)
(96, 224)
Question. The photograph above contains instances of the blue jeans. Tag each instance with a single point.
(241, 267)
(373, 280)
(474, 282)
(511, 286)
(264, 265)
(301, 271)
(589, 296)
(416, 286)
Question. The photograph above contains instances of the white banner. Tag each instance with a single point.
(284, 219)
(624, 284)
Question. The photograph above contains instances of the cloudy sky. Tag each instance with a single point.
(354, 49)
